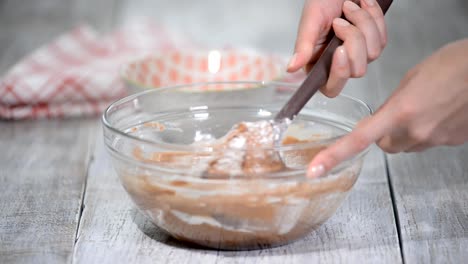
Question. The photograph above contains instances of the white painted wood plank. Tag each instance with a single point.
(43, 164)
(431, 191)
(43, 170)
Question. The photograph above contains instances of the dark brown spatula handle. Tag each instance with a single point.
(317, 77)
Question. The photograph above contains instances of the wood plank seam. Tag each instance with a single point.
(395, 209)
(83, 194)
(89, 161)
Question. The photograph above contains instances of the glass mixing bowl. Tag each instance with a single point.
(157, 140)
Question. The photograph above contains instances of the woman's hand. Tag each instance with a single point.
(429, 108)
(364, 38)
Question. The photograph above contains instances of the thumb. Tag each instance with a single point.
(367, 131)
(311, 24)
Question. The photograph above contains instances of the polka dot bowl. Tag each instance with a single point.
(188, 67)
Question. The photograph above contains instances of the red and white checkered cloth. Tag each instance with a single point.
(77, 74)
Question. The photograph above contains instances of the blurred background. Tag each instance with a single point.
(416, 28)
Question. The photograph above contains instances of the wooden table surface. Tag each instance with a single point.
(60, 200)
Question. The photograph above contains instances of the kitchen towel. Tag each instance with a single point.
(77, 73)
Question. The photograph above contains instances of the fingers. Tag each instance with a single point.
(310, 27)
(366, 132)
(355, 45)
(364, 38)
(313, 28)
(367, 26)
(372, 7)
(339, 73)
(362, 42)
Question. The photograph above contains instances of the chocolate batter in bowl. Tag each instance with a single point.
(205, 180)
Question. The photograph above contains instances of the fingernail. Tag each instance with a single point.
(341, 22)
(292, 61)
(370, 2)
(316, 171)
(342, 58)
(351, 6)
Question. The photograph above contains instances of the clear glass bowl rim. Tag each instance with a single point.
(203, 149)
